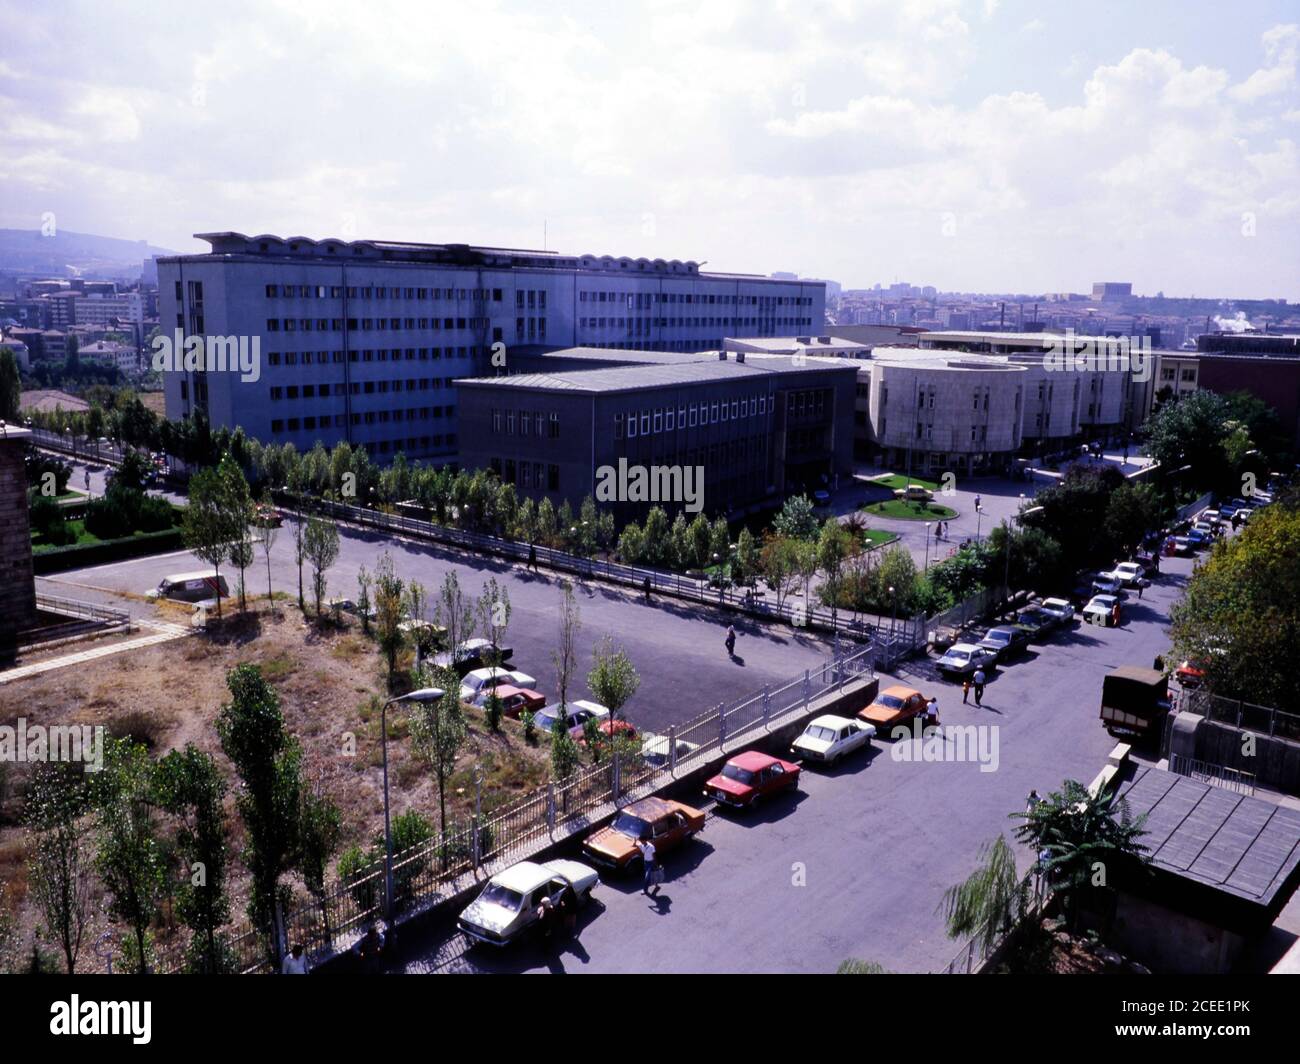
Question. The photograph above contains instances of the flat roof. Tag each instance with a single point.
(1239, 845)
(642, 376)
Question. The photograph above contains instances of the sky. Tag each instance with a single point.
(983, 146)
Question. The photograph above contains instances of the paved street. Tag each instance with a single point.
(878, 842)
(677, 648)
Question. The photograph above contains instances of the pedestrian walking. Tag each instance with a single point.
(647, 849)
(965, 691)
(1140, 587)
(979, 685)
(1032, 801)
(1159, 663)
(532, 556)
(295, 963)
(645, 586)
(1115, 615)
(569, 912)
(731, 640)
(370, 948)
(977, 502)
(932, 712)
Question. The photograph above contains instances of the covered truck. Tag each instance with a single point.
(1135, 702)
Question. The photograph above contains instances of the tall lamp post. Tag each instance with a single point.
(927, 547)
(979, 516)
(422, 694)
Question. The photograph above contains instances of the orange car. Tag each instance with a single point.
(664, 822)
(893, 706)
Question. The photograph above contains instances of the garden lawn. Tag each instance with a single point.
(910, 511)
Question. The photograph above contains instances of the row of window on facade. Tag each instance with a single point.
(666, 419)
(642, 326)
(320, 291)
(644, 300)
(396, 354)
(526, 422)
(373, 324)
(310, 391)
(527, 475)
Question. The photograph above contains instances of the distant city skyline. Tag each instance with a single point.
(977, 146)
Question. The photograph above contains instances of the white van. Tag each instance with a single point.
(191, 587)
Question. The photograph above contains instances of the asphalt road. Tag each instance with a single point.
(856, 865)
(677, 648)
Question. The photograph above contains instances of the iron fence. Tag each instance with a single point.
(1219, 775)
(1240, 714)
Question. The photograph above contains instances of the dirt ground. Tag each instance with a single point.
(329, 679)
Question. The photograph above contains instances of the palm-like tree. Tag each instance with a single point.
(1081, 838)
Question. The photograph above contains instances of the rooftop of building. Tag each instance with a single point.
(1240, 845)
(810, 345)
(48, 400)
(233, 245)
(640, 377)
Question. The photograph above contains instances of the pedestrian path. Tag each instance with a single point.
(161, 632)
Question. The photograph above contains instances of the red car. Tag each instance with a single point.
(515, 700)
(622, 728)
(1191, 673)
(748, 777)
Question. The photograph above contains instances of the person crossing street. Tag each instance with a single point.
(979, 686)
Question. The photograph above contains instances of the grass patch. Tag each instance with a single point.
(910, 511)
(78, 526)
(896, 480)
(277, 666)
(876, 537)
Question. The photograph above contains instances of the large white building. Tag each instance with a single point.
(361, 340)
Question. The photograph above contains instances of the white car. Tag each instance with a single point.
(577, 713)
(964, 658)
(1098, 610)
(829, 738)
(1211, 517)
(507, 906)
(476, 685)
(1059, 608)
(655, 749)
(1128, 574)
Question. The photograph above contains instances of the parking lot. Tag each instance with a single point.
(677, 648)
(856, 863)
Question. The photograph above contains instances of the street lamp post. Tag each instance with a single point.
(422, 694)
(927, 546)
(979, 517)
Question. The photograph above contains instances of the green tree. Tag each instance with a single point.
(190, 787)
(269, 533)
(613, 680)
(779, 563)
(1081, 839)
(268, 761)
(215, 516)
(990, 900)
(565, 655)
(747, 562)
(59, 866)
(438, 731)
(129, 858)
(454, 612)
(797, 519)
(11, 385)
(321, 546)
(1132, 512)
(1190, 432)
(1239, 619)
(834, 548)
(319, 830)
(388, 613)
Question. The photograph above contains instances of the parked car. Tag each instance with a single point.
(476, 684)
(1182, 545)
(1006, 641)
(267, 516)
(1062, 610)
(1128, 574)
(1228, 510)
(470, 655)
(894, 705)
(517, 700)
(748, 778)
(576, 713)
(655, 749)
(1191, 673)
(1211, 518)
(1203, 529)
(1035, 623)
(607, 728)
(191, 587)
(1099, 610)
(829, 738)
(1105, 584)
(506, 908)
(662, 821)
(962, 660)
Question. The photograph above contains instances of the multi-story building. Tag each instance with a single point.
(361, 340)
(106, 309)
(758, 427)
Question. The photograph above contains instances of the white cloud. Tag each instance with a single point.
(1281, 50)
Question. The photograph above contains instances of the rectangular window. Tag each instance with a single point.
(553, 478)
(618, 426)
